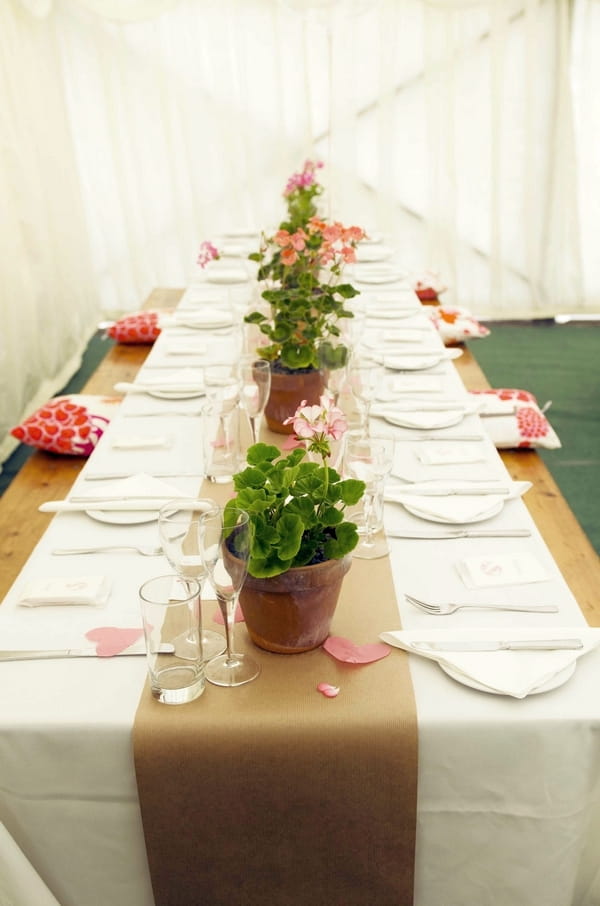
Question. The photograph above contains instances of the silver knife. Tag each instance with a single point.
(512, 645)
(47, 654)
(466, 533)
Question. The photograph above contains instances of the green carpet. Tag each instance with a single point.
(558, 363)
(555, 362)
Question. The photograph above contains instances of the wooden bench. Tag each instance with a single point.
(45, 476)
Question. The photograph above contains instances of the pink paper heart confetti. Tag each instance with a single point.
(237, 618)
(111, 640)
(328, 690)
(345, 650)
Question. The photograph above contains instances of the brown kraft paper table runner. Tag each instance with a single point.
(270, 793)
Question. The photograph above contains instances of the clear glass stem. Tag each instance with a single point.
(227, 606)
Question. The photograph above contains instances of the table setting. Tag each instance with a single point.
(486, 649)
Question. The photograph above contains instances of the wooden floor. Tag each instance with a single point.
(46, 476)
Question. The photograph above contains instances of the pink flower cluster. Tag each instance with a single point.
(318, 424)
(304, 179)
(337, 242)
(207, 253)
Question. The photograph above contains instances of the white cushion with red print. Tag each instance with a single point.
(456, 324)
(137, 327)
(67, 424)
(513, 420)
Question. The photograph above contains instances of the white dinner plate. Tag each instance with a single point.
(559, 679)
(123, 517)
(446, 518)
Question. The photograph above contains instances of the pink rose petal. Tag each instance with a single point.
(237, 618)
(345, 650)
(111, 640)
(327, 690)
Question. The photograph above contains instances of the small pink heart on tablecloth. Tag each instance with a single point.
(238, 616)
(111, 640)
(345, 650)
(328, 690)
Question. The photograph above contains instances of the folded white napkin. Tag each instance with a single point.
(89, 590)
(423, 415)
(514, 673)
(392, 311)
(183, 347)
(408, 383)
(203, 320)
(399, 362)
(180, 381)
(139, 442)
(453, 509)
(373, 251)
(224, 275)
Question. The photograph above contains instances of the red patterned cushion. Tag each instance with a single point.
(515, 421)
(456, 324)
(67, 424)
(137, 327)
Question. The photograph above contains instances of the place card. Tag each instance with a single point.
(58, 590)
(493, 570)
(440, 454)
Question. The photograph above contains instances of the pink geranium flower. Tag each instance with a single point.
(318, 425)
(207, 253)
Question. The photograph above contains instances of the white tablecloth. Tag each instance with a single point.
(509, 790)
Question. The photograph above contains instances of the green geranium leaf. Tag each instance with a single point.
(345, 541)
(351, 490)
(289, 534)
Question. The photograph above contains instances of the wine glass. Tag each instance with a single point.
(225, 539)
(365, 378)
(369, 459)
(255, 380)
(333, 356)
(178, 527)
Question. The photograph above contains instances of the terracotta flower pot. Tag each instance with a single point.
(292, 613)
(287, 392)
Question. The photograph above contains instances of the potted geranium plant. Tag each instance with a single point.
(302, 544)
(305, 303)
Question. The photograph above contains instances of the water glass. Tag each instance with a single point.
(221, 440)
(255, 386)
(369, 459)
(171, 617)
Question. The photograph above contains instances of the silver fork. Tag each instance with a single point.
(144, 551)
(444, 609)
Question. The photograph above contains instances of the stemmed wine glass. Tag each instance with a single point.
(365, 378)
(178, 527)
(255, 380)
(369, 459)
(225, 539)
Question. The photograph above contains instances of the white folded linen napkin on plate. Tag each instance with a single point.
(514, 673)
(416, 362)
(454, 509)
(423, 415)
(89, 590)
(136, 492)
(181, 381)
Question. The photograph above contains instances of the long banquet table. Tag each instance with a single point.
(508, 807)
